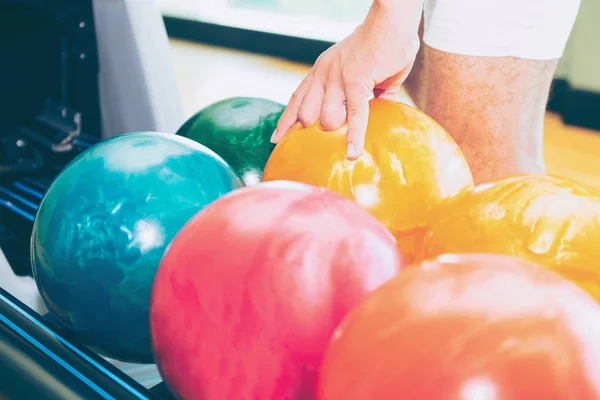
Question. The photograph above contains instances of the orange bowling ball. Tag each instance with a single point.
(549, 220)
(467, 327)
(410, 166)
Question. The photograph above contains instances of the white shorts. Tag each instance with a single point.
(529, 29)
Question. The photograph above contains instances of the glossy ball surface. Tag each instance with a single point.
(549, 220)
(103, 226)
(238, 129)
(409, 167)
(468, 327)
(250, 291)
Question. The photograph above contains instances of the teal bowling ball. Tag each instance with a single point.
(103, 226)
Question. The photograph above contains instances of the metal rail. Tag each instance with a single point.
(37, 361)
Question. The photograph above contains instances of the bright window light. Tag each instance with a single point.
(328, 20)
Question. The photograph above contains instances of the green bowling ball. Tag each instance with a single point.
(238, 129)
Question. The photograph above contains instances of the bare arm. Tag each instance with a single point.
(374, 60)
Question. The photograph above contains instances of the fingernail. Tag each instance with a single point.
(273, 137)
(351, 151)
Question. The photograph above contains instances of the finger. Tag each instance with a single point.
(390, 88)
(290, 115)
(357, 98)
(392, 93)
(333, 110)
(310, 109)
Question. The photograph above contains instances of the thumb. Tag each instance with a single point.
(391, 87)
(392, 93)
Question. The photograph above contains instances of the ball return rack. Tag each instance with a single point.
(51, 112)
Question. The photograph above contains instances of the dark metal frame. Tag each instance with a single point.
(36, 143)
(293, 48)
(37, 359)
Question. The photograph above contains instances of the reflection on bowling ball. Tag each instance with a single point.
(238, 129)
(468, 327)
(549, 220)
(251, 289)
(102, 228)
(409, 167)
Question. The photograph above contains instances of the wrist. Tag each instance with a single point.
(401, 12)
(394, 5)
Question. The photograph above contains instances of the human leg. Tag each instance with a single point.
(486, 75)
(493, 107)
(414, 83)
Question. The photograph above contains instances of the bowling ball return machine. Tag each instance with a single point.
(73, 73)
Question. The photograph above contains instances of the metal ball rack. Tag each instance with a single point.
(50, 113)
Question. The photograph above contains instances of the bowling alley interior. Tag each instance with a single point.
(185, 212)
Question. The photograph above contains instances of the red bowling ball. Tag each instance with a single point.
(250, 291)
(468, 327)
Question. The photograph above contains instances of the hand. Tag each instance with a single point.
(374, 60)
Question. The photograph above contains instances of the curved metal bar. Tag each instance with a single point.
(36, 361)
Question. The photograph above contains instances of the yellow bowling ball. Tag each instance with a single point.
(550, 220)
(410, 166)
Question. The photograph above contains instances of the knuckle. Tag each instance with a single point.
(329, 121)
(356, 109)
(296, 98)
(321, 60)
(349, 76)
(326, 123)
(354, 112)
(305, 118)
(357, 99)
(358, 89)
(333, 112)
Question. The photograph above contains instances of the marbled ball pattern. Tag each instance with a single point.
(239, 129)
(103, 226)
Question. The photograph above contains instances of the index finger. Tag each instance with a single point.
(357, 104)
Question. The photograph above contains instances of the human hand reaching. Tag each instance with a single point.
(373, 61)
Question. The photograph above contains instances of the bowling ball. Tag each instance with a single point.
(410, 166)
(468, 327)
(239, 129)
(251, 289)
(103, 226)
(549, 220)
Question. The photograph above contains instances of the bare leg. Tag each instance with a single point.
(414, 83)
(494, 108)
